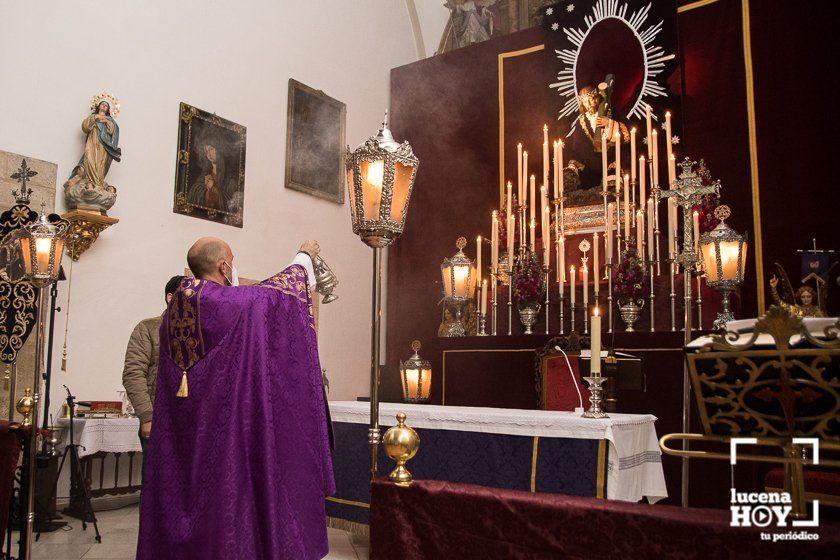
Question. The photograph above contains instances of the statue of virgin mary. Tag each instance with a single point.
(86, 185)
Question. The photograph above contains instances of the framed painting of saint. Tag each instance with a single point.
(210, 173)
(315, 143)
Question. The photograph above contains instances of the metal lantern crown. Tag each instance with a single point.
(380, 176)
(416, 375)
(41, 245)
(724, 252)
(458, 274)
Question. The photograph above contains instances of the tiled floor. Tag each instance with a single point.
(119, 540)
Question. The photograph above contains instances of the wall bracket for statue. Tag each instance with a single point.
(85, 227)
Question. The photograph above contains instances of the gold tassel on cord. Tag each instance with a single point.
(183, 391)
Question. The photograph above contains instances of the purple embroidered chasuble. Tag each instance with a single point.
(241, 466)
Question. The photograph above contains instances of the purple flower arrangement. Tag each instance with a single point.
(630, 277)
(528, 279)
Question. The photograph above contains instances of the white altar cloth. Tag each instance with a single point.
(634, 460)
(112, 435)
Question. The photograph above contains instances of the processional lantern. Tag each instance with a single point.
(380, 177)
(416, 376)
(724, 254)
(459, 277)
(41, 245)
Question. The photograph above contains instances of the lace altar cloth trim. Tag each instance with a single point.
(112, 435)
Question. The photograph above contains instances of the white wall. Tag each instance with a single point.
(231, 58)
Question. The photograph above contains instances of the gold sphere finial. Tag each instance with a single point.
(722, 212)
(401, 419)
(25, 405)
(401, 444)
(461, 243)
(415, 346)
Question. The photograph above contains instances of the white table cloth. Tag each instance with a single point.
(112, 435)
(634, 464)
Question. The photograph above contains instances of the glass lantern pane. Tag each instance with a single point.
(399, 198)
(426, 387)
(743, 261)
(729, 259)
(462, 276)
(446, 276)
(352, 194)
(27, 260)
(411, 382)
(710, 262)
(373, 174)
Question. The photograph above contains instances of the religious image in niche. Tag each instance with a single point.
(612, 60)
(210, 177)
(314, 143)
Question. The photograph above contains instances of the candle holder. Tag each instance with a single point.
(656, 191)
(596, 391)
(585, 310)
(494, 300)
(699, 301)
(652, 296)
(547, 298)
(673, 295)
(572, 313)
(482, 324)
(510, 295)
(609, 294)
(562, 303)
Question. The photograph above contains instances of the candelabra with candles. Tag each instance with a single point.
(687, 191)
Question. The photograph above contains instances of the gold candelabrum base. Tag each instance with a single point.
(401, 444)
(85, 227)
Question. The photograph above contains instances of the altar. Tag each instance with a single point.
(616, 458)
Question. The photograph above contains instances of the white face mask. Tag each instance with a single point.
(234, 275)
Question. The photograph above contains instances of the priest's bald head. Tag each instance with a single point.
(211, 259)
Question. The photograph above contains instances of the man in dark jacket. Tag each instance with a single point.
(141, 360)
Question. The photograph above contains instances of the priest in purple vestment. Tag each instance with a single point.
(239, 461)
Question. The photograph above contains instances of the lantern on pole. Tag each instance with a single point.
(380, 177)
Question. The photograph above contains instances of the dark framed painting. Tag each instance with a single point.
(210, 175)
(315, 143)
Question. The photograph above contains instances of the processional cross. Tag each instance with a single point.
(688, 191)
(22, 176)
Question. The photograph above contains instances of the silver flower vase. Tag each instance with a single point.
(630, 312)
(528, 313)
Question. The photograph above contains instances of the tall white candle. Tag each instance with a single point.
(669, 145)
(604, 161)
(595, 344)
(655, 157)
(478, 259)
(572, 286)
(672, 170)
(546, 236)
(509, 198)
(626, 209)
(633, 153)
(617, 139)
(650, 246)
(533, 234)
(610, 227)
(555, 170)
(484, 297)
(532, 199)
(642, 187)
(640, 233)
(511, 233)
(523, 196)
(596, 265)
(494, 242)
(695, 221)
(546, 158)
(518, 173)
